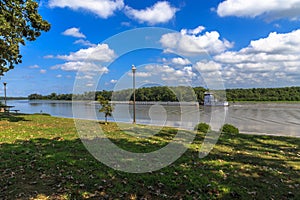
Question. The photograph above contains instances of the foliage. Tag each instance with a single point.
(182, 93)
(202, 127)
(43, 158)
(142, 94)
(106, 107)
(264, 94)
(228, 128)
(19, 21)
(52, 96)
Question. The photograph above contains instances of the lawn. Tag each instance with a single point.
(42, 157)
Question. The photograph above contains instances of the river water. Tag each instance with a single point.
(252, 118)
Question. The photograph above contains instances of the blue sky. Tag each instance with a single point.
(242, 43)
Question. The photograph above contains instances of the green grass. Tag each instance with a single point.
(41, 157)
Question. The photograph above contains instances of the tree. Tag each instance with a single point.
(35, 96)
(106, 107)
(19, 21)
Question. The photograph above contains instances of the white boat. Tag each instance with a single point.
(210, 100)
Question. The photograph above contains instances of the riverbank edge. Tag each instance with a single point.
(153, 125)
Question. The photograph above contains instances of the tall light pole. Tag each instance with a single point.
(133, 68)
(4, 92)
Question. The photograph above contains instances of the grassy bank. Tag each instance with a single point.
(41, 157)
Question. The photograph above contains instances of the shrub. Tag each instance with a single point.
(228, 128)
(202, 127)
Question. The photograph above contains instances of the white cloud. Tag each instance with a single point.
(160, 12)
(141, 74)
(102, 8)
(84, 43)
(272, 9)
(48, 56)
(169, 74)
(275, 48)
(195, 31)
(74, 32)
(87, 60)
(101, 53)
(160, 69)
(264, 60)
(113, 81)
(59, 76)
(203, 66)
(86, 75)
(181, 61)
(34, 67)
(43, 71)
(89, 85)
(81, 66)
(190, 44)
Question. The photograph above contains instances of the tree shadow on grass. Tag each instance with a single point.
(11, 117)
(61, 168)
(262, 167)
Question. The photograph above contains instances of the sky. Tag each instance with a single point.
(93, 44)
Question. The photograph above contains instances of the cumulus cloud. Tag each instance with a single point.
(272, 9)
(264, 60)
(195, 31)
(204, 66)
(102, 8)
(88, 60)
(181, 61)
(74, 32)
(187, 43)
(141, 74)
(84, 43)
(169, 74)
(87, 75)
(58, 76)
(113, 81)
(101, 53)
(160, 12)
(284, 47)
(81, 66)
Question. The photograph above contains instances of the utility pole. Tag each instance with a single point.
(133, 68)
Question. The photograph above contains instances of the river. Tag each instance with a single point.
(253, 118)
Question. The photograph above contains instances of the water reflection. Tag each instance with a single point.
(267, 118)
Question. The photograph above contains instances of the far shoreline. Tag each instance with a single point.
(230, 102)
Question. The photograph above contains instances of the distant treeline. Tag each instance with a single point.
(13, 98)
(264, 94)
(181, 93)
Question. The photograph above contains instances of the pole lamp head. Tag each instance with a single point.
(133, 68)
(4, 83)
